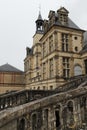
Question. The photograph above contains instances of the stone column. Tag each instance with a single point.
(77, 112)
(60, 69)
(29, 122)
(63, 116)
(54, 67)
(59, 41)
(61, 119)
(71, 62)
(45, 119)
(70, 43)
(56, 40)
(48, 46)
(48, 69)
(39, 120)
(52, 118)
(53, 42)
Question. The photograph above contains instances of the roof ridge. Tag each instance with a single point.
(9, 68)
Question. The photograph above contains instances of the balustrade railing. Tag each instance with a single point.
(21, 97)
(72, 84)
(24, 96)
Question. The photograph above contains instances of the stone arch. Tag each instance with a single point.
(70, 105)
(58, 116)
(77, 70)
(70, 100)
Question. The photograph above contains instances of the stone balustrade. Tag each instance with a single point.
(24, 96)
(72, 84)
(21, 97)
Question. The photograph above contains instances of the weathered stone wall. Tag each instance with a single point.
(68, 109)
(10, 126)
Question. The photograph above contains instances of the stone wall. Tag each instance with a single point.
(10, 126)
(11, 81)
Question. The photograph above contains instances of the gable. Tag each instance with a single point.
(62, 9)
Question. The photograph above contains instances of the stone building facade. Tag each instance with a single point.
(57, 53)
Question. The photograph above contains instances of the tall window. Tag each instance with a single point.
(44, 70)
(50, 43)
(22, 124)
(51, 68)
(65, 40)
(66, 68)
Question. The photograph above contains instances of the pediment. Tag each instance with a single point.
(62, 9)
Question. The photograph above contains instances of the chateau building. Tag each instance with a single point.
(57, 54)
(53, 86)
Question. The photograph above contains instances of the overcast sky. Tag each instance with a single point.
(17, 24)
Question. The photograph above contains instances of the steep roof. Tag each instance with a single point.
(70, 24)
(60, 18)
(9, 68)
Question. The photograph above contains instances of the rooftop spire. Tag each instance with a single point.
(39, 23)
(39, 16)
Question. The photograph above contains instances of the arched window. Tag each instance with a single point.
(38, 88)
(46, 112)
(51, 87)
(70, 106)
(22, 124)
(77, 70)
(34, 122)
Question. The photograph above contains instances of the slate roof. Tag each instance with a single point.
(9, 68)
(70, 24)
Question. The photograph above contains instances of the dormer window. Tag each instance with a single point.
(63, 15)
(63, 19)
(51, 17)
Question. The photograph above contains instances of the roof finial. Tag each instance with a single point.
(40, 9)
(39, 17)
